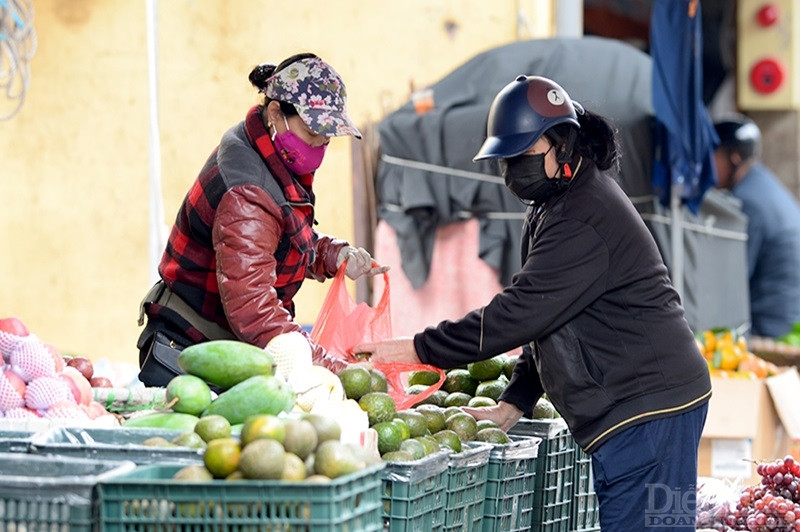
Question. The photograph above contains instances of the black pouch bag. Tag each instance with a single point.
(159, 362)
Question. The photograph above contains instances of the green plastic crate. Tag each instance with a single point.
(117, 443)
(508, 497)
(555, 470)
(465, 487)
(414, 494)
(51, 493)
(149, 500)
(585, 507)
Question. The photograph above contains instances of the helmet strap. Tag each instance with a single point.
(564, 154)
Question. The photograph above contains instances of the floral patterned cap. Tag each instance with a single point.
(318, 94)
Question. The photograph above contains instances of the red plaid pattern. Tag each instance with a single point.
(188, 265)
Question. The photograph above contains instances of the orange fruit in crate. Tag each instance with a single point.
(754, 364)
(222, 456)
(709, 341)
(728, 357)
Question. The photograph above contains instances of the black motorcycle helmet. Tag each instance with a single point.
(739, 134)
(521, 112)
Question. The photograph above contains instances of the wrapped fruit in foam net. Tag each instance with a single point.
(22, 413)
(30, 359)
(12, 331)
(66, 410)
(44, 392)
(12, 390)
(290, 351)
(314, 385)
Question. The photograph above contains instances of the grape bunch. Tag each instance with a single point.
(774, 505)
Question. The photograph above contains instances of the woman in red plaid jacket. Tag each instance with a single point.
(244, 240)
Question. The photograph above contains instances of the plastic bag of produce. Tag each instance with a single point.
(342, 324)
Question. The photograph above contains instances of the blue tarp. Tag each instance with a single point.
(684, 135)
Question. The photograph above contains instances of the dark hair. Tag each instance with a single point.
(596, 139)
(739, 134)
(259, 75)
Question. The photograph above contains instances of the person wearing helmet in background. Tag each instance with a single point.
(602, 329)
(244, 238)
(773, 226)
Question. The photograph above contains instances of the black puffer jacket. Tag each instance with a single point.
(603, 329)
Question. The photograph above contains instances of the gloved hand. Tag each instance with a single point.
(359, 262)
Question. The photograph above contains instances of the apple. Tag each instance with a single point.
(13, 326)
(58, 358)
(82, 364)
(94, 410)
(100, 382)
(78, 385)
(17, 385)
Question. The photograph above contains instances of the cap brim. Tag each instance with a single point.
(505, 147)
(327, 122)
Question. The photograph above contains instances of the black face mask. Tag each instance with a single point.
(525, 176)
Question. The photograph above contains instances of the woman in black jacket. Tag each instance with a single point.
(602, 329)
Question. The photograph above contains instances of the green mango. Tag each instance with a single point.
(261, 394)
(225, 363)
(164, 420)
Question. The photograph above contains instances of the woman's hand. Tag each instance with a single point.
(504, 414)
(388, 351)
(359, 262)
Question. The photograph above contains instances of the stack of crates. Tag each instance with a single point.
(148, 499)
(585, 507)
(465, 487)
(555, 473)
(414, 494)
(508, 501)
(51, 492)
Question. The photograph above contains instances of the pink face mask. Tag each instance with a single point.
(299, 157)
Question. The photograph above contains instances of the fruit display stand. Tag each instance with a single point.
(508, 497)
(113, 444)
(148, 497)
(414, 493)
(51, 492)
(555, 473)
(465, 487)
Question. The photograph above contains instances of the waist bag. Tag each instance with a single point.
(161, 341)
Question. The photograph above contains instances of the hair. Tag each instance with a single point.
(260, 74)
(739, 134)
(596, 139)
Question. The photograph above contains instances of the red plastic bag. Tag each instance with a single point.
(343, 324)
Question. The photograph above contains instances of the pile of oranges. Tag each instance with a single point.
(728, 356)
